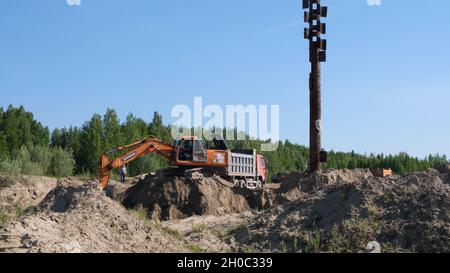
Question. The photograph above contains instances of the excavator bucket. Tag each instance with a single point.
(104, 171)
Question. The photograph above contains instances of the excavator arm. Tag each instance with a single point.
(138, 149)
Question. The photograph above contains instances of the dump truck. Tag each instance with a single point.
(192, 157)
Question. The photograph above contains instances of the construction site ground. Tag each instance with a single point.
(332, 211)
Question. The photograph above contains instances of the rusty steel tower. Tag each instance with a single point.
(317, 54)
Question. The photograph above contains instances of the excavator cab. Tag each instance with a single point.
(191, 149)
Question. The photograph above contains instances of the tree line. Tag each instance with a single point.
(27, 147)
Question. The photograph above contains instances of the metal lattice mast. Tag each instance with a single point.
(317, 54)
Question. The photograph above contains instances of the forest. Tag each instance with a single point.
(27, 147)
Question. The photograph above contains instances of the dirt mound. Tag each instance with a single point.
(444, 168)
(21, 193)
(210, 233)
(169, 198)
(403, 214)
(78, 217)
(330, 177)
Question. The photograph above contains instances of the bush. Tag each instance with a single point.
(4, 218)
(62, 163)
(42, 156)
(27, 166)
(11, 167)
(40, 160)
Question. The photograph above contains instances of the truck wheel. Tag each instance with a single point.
(259, 184)
(262, 183)
(197, 176)
(236, 183)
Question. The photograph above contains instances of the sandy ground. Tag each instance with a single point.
(333, 211)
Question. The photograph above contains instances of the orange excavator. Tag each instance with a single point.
(192, 157)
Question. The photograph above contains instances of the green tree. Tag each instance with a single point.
(398, 167)
(157, 128)
(56, 138)
(19, 128)
(91, 144)
(112, 130)
(4, 154)
(133, 130)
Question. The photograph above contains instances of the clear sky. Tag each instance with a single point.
(386, 85)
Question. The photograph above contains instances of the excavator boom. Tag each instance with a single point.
(138, 149)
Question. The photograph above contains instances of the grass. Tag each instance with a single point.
(194, 248)
(295, 244)
(352, 235)
(4, 218)
(388, 198)
(198, 228)
(314, 243)
(372, 211)
(141, 214)
(167, 230)
(19, 212)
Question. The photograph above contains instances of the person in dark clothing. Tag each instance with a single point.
(123, 173)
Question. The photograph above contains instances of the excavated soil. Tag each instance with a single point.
(332, 211)
(21, 193)
(211, 233)
(169, 198)
(347, 210)
(78, 217)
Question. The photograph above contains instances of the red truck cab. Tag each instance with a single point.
(261, 167)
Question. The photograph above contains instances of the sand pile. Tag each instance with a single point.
(78, 217)
(403, 214)
(169, 198)
(21, 193)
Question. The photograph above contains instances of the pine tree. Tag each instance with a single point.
(112, 130)
(3, 147)
(158, 129)
(20, 128)
(91, 144)
(134, 129)
(56, 138)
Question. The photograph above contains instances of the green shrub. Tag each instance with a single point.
(42, 156)
(10, 167)
(62, 163)
(39, 160)
(194, 248)
(31, 168)
(4, 218)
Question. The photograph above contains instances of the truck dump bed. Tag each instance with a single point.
(242, 163)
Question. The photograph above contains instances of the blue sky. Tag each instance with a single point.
(386, 85)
